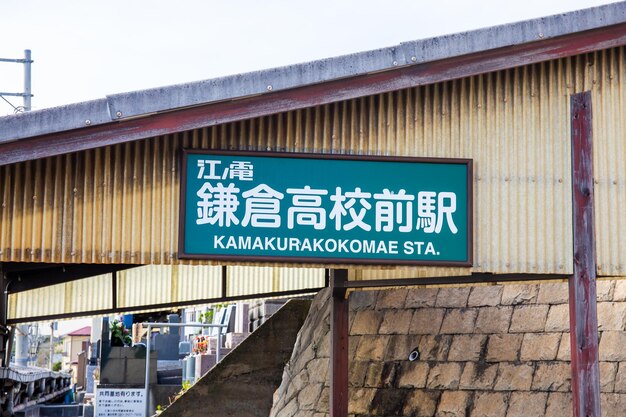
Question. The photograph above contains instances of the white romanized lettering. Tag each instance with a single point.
(430, 249)
(269, 243)
(306, 245)
(381, 248)
(356, 246)
(369, 246)
(330, 245)
(217, 242)
(393, 247)
(294, 244)
(244, 242)
(258, 243)
(282, 240)
(408, 248)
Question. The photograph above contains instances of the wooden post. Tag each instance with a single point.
(339, 344)
(582, 285)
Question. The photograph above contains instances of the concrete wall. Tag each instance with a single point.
(242, 384)
(487, 351)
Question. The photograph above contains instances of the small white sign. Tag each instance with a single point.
(120, 402)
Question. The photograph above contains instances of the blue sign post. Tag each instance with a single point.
(325, 208)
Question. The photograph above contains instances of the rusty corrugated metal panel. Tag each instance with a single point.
(244, 280)
(159, 284)
(608, 74)
(120, 204)
(71, 297)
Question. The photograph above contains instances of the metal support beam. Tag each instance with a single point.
(339, 342)
(224, 281)
(27, 89)
(5, 335)
(114, 290)
(582, 285)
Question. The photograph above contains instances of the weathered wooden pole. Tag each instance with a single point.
(339, 341)
(582, 285)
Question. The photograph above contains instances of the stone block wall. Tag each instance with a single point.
(501, 351)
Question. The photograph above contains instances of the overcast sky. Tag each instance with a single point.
(87, 49)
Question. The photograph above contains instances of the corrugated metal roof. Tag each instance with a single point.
(144, 288)
(128, 105)
(119, 204)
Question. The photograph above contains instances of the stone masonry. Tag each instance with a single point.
(484, 351)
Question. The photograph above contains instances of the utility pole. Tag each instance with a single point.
(51, 344)
(27, 93)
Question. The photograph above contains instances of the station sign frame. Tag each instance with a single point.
(203, 170)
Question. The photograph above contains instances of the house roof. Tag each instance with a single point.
(83, 331)
(119, 118)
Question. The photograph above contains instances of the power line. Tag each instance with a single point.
(10, 104)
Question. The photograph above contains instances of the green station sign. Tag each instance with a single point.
(325, 208)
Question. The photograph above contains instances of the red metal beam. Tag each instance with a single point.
(339, 344)
(311, 95)
(582, 285)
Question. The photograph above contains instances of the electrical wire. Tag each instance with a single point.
(10, 104)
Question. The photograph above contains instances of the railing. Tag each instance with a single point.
(151, 325)
(23, 387)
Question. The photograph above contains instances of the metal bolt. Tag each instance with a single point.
(270, 88)
(118, 113)
(395, 63)
(541, 35)
(414, 58)
(87, 122)
(268, 149)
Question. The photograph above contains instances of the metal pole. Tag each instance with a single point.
(219, 343)
(5, 338)
(148, 370)
(51, 344)
(150, 325)
(27, 89)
